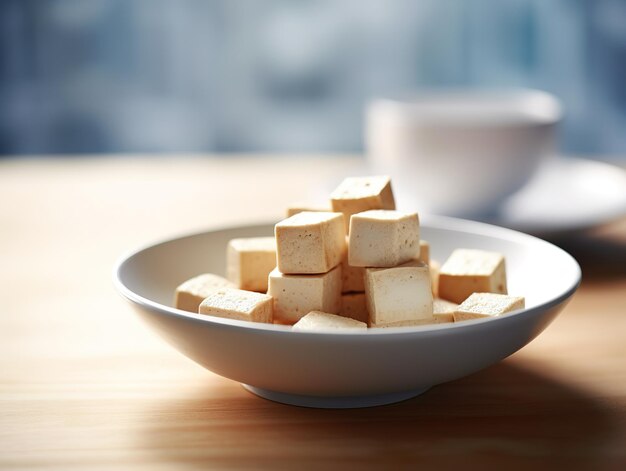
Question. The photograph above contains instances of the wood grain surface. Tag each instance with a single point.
(84, 385)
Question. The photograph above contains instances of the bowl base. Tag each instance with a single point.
(331, 402)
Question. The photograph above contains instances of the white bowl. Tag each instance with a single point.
(459, 152)
(354, 369)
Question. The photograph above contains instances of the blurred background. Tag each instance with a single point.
(94, 76)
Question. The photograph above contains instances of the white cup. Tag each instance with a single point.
(461, 152)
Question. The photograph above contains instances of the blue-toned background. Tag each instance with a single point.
(289, 75)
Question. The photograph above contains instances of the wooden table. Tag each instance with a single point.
(85, 385)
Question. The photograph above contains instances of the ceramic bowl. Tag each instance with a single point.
(460, 152)
(351, 369)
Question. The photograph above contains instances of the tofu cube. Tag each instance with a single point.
(353, 305)
(383, 238)
(443, 311)
(424, 255)
(302, 207)
(435, 268)
(480, 305)
(249, 261)
(238, 304)
(352, 276)
(296, 295)
(317, 320)
(192, 292)
(400, 295)
(471, 271)
(310, 242)
(358, 194)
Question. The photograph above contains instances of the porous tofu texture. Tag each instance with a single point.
(470, 271)
(354, 305)
(317, 320)
(310, 242)
(382, 238)
(487, 305)
(238, 304)
(192, 292)
(358, 194)
(296, 295)
(443, 311)
(399, 295)
(249, 261)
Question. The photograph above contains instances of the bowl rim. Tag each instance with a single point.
(412, 107)
(431, 221)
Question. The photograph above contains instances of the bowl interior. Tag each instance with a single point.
(536, 269)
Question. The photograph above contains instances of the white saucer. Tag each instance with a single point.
(567, 194)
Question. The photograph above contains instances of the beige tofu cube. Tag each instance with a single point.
(296, 295)
(238, 304)
(383, 238)
(192, 292)
(249, 261)
(443, 311)
(352, 276)
(480, 305)
(424, 255)
(470, 271)
(358, 194)
(302, 207)
(435, 267)
(317, 320)
(310, 242)
(414, 323)
(354, 305)
(399, 295)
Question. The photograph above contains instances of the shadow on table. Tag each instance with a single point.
(601, 253)
(504, 414)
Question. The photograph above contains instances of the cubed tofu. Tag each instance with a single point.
(238, 304)
(192, 292)
(424, 255)
(302, 207)
(317, 320)
(358, 194)
(399, 295)
(353, 305)
(310, 242)
(352, 276)
(470, 271)
(296, 295)
(249, 261)
(435, 267)
(383, 238)
(443, 311)
(413, 323)
(480, 305)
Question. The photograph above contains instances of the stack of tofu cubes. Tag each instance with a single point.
(383, 254)
(359, 263)
(322, 244)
